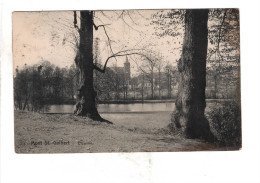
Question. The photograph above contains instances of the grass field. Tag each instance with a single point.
(66, 133)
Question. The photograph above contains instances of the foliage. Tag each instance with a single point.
(223, 58)
(168, 22)
(28, 89)
(105, 84)
(37, 86)
(223, 55)
(225, 122)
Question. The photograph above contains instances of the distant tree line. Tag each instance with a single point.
(38, 86)
(43, 84)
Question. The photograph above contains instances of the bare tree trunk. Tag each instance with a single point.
(152, 87)
(134, 91)
(189, 116)
(86, 97)
(117, 85)
(142, 87)
(215, 86)
(226, 90)
(25, 103)
(160, 83)
(169, 84)
(126, 90)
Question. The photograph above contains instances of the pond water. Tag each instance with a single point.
(119, 108)
(147, 116)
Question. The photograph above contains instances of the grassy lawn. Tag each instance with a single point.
(66, 133)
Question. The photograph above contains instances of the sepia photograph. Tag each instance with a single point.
(103, 81)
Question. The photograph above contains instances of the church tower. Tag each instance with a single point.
(127, 69)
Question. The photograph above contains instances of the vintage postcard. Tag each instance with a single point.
(126, 81)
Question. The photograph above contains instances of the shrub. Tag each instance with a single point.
(225, 122)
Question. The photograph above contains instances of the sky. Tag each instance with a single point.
(51, 36)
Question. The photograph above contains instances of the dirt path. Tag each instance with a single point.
(66, 133)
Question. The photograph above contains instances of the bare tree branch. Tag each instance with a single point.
(222, 23)
(120, 54)
(109, 18)
(120, 14)
(99, 19)
(131, 18)
(142, 70)
(140, 14)
(109, 41)
(75, 20)
(129, 25)
(96, 27)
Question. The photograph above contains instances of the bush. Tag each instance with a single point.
(225, 122)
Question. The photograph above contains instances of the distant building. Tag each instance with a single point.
(124, 73)
(127, 73)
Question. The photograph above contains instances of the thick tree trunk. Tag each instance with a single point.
(189, 118)
(86, 96)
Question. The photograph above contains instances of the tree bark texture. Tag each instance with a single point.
(189, 118)
(86, 96)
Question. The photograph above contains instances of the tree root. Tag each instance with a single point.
(197, 131)
(94, 117)
(100, 119)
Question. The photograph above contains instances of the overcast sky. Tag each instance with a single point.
(49, 36)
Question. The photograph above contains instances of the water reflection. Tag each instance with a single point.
(114, 108)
